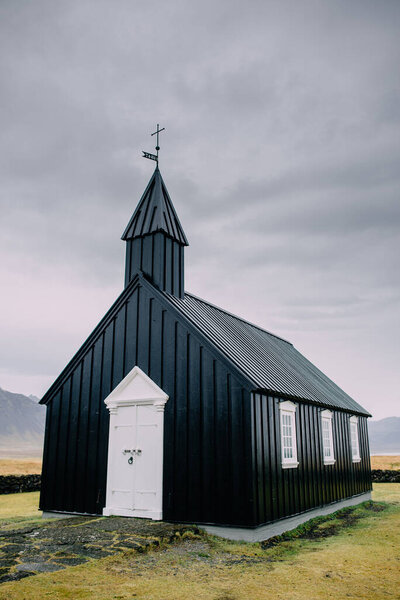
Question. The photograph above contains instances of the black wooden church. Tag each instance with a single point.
(174, 408)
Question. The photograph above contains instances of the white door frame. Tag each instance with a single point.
(136, 389)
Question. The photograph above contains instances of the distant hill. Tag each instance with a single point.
(384, 436)
(21, 425)
(34, 398)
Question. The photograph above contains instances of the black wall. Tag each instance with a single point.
(282, 492)
(222, 459)
(207, 442)
(160, 258)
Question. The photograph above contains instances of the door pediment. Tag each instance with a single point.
(136, 388)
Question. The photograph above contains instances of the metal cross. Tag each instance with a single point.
(157, 132)
(148, 154)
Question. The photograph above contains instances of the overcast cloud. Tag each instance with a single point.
(281, 154)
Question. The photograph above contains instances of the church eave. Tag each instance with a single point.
(90, 340)
(158, 230)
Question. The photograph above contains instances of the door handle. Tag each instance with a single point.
(132, 451)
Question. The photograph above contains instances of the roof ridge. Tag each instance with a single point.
(239, 318)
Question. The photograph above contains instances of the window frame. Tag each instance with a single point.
(355, 456)
(327, 417)
(288, 408)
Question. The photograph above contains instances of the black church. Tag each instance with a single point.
(176, 409)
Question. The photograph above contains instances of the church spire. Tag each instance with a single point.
(156, 240)
(155, 212)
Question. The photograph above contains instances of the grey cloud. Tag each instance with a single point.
(281, 156)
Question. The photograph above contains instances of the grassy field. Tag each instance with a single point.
(19, 508)
(30, 466)
(358, 559)
(20, 466)
(385, 462)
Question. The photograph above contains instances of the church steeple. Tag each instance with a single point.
(155, 239)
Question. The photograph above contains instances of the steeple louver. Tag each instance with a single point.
(156, 240)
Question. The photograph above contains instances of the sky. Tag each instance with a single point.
(280, 152)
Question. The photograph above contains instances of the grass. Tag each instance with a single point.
(386, 462)
(20, 466)
(19, 508)
(359, 558)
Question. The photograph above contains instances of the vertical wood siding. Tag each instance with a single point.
(207, 438)
(283, 492)
(222, 451)
(161, 258)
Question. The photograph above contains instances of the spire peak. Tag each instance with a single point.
(155, 212)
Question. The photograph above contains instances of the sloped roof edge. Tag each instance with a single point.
(90, 339)
(252, 382)
(226, 312)
(272, 364)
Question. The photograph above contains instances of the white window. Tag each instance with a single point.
(288, 435)
(327, 437)
(355, 447)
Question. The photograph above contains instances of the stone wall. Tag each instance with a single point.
(385, 476)
(12, 484)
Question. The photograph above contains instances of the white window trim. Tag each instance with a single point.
(288, 407)
(356, 458)
(327, 415)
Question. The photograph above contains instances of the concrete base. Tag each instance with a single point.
(61, 515)
(264, 532)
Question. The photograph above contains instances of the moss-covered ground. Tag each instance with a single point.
(353, 554)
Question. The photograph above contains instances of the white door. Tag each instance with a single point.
(122, 465)
(135, 452)
(146, 474)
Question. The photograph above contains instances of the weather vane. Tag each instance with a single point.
(148, 154)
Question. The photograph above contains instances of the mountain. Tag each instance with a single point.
(21, 425)
(34, 398)
(384, 436)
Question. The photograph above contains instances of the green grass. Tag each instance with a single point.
(19, 508)
(353, 554)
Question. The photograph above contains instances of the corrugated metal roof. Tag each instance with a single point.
(270, 362)
(155, 212)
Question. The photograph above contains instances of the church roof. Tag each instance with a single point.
(270, 362)
(155, 212)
